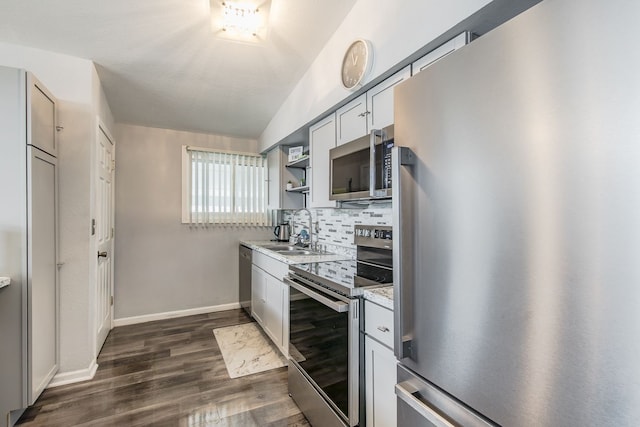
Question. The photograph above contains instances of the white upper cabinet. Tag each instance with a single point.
(440, 52)
(351, 120)
(42, 118)
(371, 110)
(380, 100)
(322, 138)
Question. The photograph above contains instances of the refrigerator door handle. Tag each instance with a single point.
(402, 251)
(405, 391)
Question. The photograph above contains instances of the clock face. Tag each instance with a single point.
(356, 64)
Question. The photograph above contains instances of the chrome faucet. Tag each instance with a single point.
(298, 238)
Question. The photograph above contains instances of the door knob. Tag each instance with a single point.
(102, 254)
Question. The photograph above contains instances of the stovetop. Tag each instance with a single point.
(340, 276)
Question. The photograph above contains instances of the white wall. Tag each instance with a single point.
(67, 77)
(396, 29)
(162, 265)
(75, 207)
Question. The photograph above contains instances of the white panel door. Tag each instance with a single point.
(42, 118)
(42, 292)
(258, 297)
(351, 120)
(104, 234)
(273, 311)
(380, 381)
(322, 138)
(380, 100)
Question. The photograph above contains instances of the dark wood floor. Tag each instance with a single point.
(168, 373)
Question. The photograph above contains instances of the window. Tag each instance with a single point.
(223, 188)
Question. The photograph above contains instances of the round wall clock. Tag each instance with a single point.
(356, 64)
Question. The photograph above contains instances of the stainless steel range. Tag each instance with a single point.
(324, 318)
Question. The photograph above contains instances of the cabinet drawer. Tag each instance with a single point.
(378, 323)
(274, 267)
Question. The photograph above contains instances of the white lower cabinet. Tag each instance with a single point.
(270, 298)
(273, 315)
(258, 297)
(380, 370)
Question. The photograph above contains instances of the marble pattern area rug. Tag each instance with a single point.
(246, 350)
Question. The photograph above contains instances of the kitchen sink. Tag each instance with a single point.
(282, 248)
(290, 250)
(298, 252)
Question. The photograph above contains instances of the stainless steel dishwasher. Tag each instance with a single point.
(244, 277)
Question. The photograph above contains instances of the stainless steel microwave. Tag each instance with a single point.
(361, 169)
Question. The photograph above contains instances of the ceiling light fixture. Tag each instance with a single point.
(240, 21)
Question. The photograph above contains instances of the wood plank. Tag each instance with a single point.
(168, 373)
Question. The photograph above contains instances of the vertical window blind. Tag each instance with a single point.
(227, 188)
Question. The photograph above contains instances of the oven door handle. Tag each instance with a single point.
(339, 306)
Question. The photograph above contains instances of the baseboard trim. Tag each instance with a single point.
(71, 377)
(173, 314)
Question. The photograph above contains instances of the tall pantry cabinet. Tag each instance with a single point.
(29, 306)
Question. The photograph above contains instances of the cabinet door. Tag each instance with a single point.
(258, 299)
(285, 319)
(42, 291)
(380, 381)
(41, 118)
(273, 309)
(380, 100)
(351, 120)
(322, 138)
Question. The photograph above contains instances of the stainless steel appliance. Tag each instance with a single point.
(244, 277)
(324, 322)
(517, 225)
(361, 169)
(282, 232)
(374, 259)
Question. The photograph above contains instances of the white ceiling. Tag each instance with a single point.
(161, 65)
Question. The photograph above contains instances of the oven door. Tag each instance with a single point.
(323, 344)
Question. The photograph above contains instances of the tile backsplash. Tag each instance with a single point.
(335, 226)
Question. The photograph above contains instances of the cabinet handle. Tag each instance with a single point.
(383, 329)
(364, 113)
(102, 254)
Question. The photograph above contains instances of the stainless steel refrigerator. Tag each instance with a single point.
(517, 224)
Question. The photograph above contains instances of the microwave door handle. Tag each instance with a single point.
(375, 133)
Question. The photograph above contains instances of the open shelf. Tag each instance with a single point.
(302, 189)
(301, 163)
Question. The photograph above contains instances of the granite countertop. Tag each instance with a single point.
(382, 296)
(259, 245)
